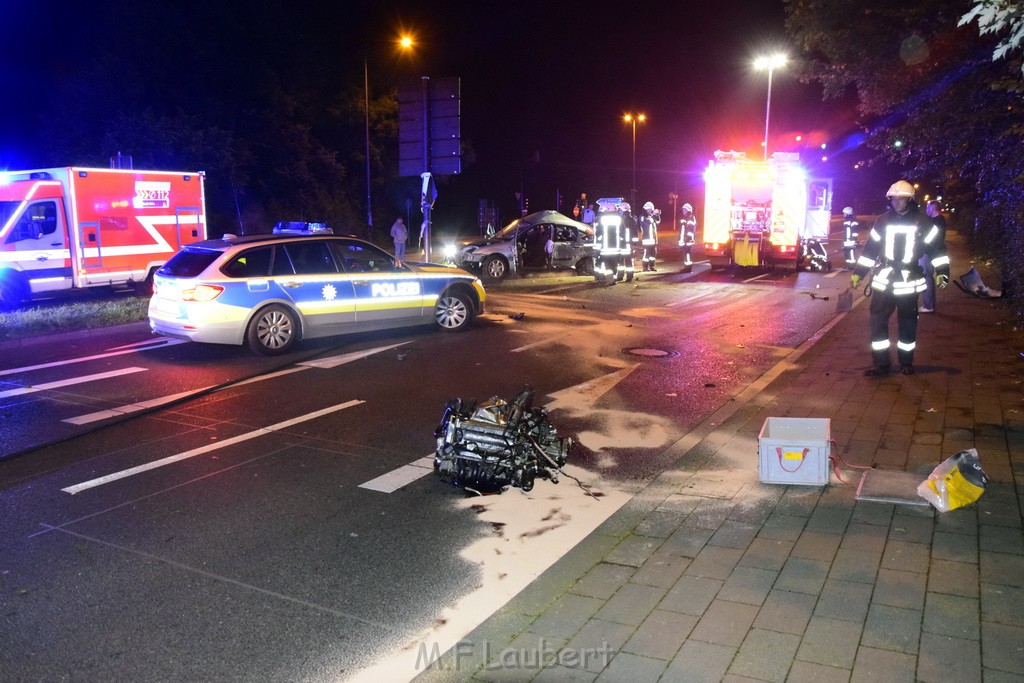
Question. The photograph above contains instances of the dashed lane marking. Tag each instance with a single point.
(406, 474)
(121, 352)
(69, 382)
(263, 431)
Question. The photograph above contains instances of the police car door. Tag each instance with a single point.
(384, 292)
(316, 286)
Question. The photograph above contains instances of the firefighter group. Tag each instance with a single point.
(621, 239)
(904, 257)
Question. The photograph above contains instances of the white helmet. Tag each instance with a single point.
(649, 206)
(848, 211)
(624, 206)
(901, 188)
(687, 207)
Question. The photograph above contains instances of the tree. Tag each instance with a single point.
(999, 16)
(923, 79)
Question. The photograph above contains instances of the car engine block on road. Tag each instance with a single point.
(487, 447)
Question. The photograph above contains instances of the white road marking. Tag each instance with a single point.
(56, 364)
(149, 343)
(534, 530)
(536, 343)
(691, 299)
(155, 402)
(162, 400)
(591, 390)
(757, 277)
(130, 408)
(335, 361)
(263, 431)
(260, 378)
(551, 339)
(406, 474)
(69, 382)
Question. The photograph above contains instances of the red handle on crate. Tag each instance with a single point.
(803, 459)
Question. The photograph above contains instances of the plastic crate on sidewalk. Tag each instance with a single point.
(794, 450)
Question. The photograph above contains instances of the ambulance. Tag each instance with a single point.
(763, 213)
(71, 228)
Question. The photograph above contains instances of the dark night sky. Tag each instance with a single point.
(540, 80)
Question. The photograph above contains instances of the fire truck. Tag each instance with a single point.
(71, 228)
(763, 213)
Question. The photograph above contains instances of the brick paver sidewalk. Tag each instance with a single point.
(710, 575)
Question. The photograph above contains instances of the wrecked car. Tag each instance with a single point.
(523, 244)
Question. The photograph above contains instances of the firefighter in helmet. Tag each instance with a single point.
(687, 233)
(649, 236)
(608, 241)
(898, 240)
(850, 227)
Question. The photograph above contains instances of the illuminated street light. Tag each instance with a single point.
(776, 61)
(405, 42)
(634, 119)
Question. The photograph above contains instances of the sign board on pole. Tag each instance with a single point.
(434, 122)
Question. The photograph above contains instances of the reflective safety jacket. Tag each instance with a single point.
(895, 246)
(687, 230)
(608, 234)
(649, 229)
(850, 228)
(629, 236)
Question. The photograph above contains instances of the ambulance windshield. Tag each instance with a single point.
(7, 210)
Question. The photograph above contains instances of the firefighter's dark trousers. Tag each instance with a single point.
(687, 254)
(649, 256)
(882, 305)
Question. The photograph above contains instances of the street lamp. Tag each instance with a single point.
(405, 42)
(634, 119)
(776, 61)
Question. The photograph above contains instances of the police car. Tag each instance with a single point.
(270, 291)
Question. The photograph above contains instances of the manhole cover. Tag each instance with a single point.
(651, 353)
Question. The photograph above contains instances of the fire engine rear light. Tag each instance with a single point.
(202, 293)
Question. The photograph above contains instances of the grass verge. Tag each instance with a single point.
(69, 316)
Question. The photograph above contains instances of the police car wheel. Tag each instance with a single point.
(453, 312)
(495, 268)
(273, 331)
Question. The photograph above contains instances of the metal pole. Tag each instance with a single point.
(632, 195)
(767, 113)
(366, 111)
(425, 82)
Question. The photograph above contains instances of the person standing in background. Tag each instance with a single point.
(399, 235)
(588, 215)
(687, 236)
(850, 227)
(649, 236)
(934, 211)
